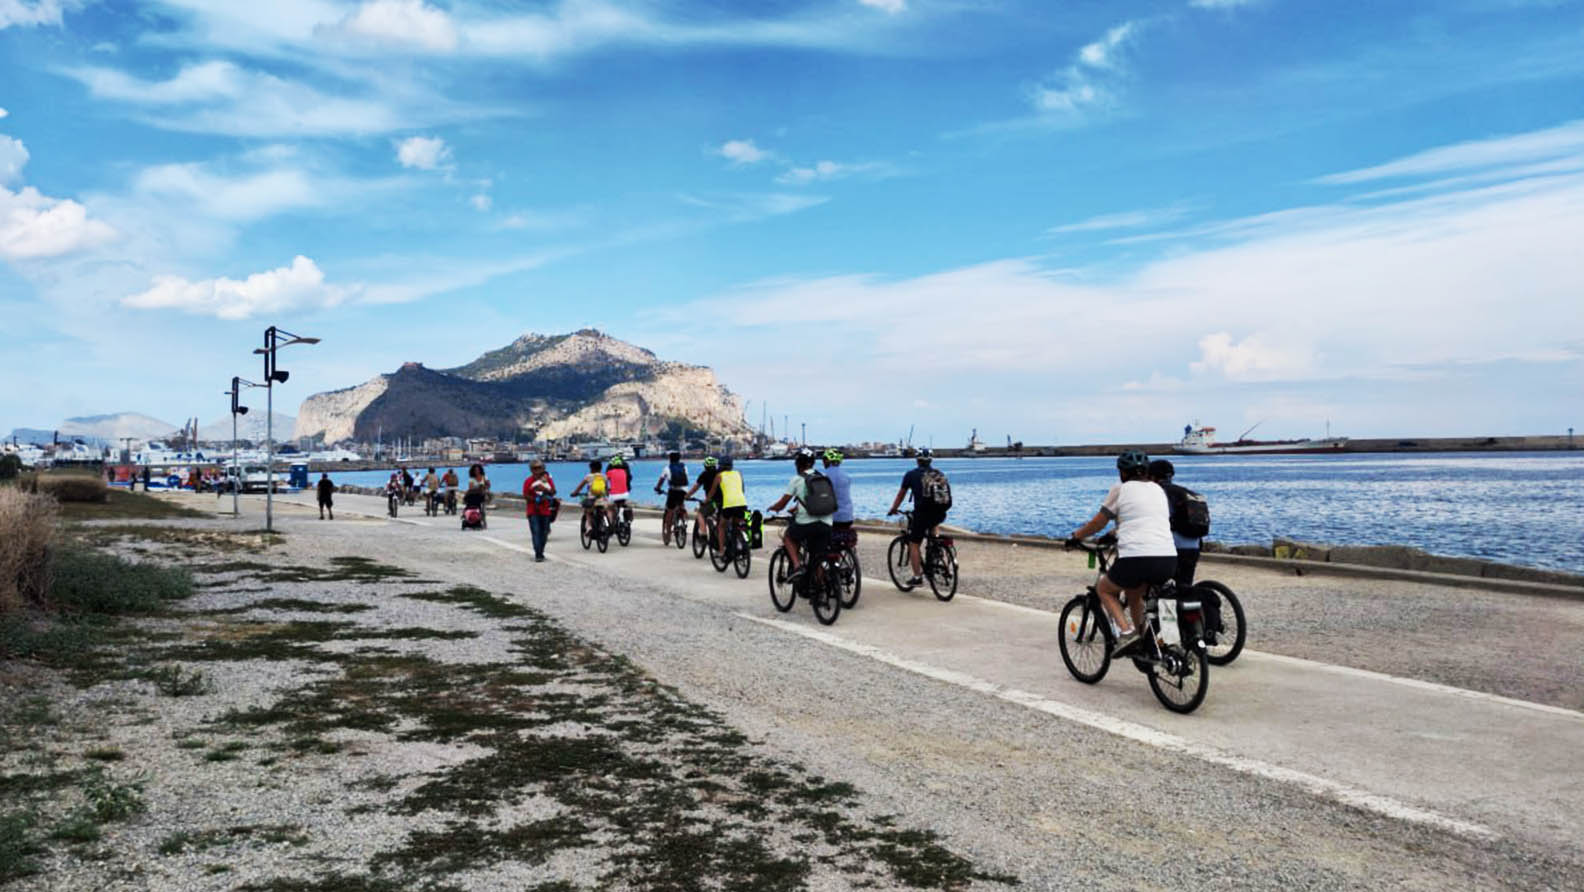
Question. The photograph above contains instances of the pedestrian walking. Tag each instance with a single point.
(539, 492)
(326, 494)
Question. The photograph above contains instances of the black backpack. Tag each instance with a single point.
(1190, 513)
(934, 489)
(679, 477)
(819, 496)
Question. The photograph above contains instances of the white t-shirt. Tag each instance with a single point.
(1143, 519)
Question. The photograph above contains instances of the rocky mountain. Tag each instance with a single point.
(584, 384)
(113, 427)
(249, 427)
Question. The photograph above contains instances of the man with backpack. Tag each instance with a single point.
(1190, 520)
(674, 483)
(810, 525)
(931, 494)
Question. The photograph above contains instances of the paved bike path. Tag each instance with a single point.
(1470, 763)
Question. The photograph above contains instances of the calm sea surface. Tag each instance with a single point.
(1521, 508)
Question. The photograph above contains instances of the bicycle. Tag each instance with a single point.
(703, 534)
(450, 501)
(737, 550)
(845, 543)
(623, 524)
(939, 560)
(679, 527)
(392, 502)
(597, 534)
(432, 503)
(1178, 672)
(820, 583)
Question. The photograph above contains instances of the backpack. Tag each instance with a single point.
(597, 485)
(819, 495)
(679, 478)
(1190, 513)
(934, 489)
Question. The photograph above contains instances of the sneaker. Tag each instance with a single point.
(538, 558)
(1125, 642)
(917, 580)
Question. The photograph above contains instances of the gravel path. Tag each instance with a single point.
(1054, 804)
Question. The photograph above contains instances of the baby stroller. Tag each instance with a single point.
(473, 511)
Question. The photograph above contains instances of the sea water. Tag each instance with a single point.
(1520, 508)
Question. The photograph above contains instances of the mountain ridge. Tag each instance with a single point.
(580, 384)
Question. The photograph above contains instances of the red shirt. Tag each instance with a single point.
(538, 502)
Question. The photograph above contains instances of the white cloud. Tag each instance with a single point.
(300, 286)
(1254, 358)
(222, 97)
(741, 151)
(411, 23)
(34, 226)
(822, 171)
(1123, 220)
(755, 206)
(38, 12)
(1089, 84)
(423, 152)
(249, 196)
(888, 6)
(3, 113)
(481, 202)
(1539, 145)
(13, 157)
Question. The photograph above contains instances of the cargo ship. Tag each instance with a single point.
(1201, 441)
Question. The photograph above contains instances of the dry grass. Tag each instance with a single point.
(74, 488)
(28, 529)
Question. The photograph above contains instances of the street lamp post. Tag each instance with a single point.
(236, 465)
(273, 342)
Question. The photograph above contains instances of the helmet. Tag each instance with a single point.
(805, 452)
(709, 460)
(616, 461)
(1133, 460)
(726, 463)
(925, 454)
(833, 455)
(1160, 467)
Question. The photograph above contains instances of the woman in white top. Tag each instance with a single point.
(1146, 551)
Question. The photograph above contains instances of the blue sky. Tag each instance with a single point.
(1059, 221)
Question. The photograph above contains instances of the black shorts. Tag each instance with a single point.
(815, 537)
(739, 512)
(835, 524)
(924, 520)
(675, 498)
(1133, 571)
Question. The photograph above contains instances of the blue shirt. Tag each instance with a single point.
(841, 481)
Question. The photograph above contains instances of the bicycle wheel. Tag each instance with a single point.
(851, 578)
(679, 531)
(602, 536)
(585, 535)
(899, 565)
(942, 572)
(623, 532)
(700, 539)
(722, 557)
(1085, 640)
(1230, 637)
(744, 558)
(1180, 683)
(826, 595)
(782, 594)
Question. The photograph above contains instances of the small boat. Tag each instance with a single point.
(1201, 441)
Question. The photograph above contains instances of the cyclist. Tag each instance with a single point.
(927, 512)
(673, 480)
(810, 530)
(705, 481)
(1161, 471)
(409, 488)
(450, 482)
(842, 481)
(394, 486)
(431, 485)
(596, 484)
(1146, 553)
(619, 477)
(726, 491)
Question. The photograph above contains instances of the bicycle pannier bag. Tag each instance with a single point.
(935, 489)
(756, 530)
(819, 495)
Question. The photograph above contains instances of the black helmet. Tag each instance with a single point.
(925, 455)
(1133, 461)
(726, 463)
(1161, 468)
